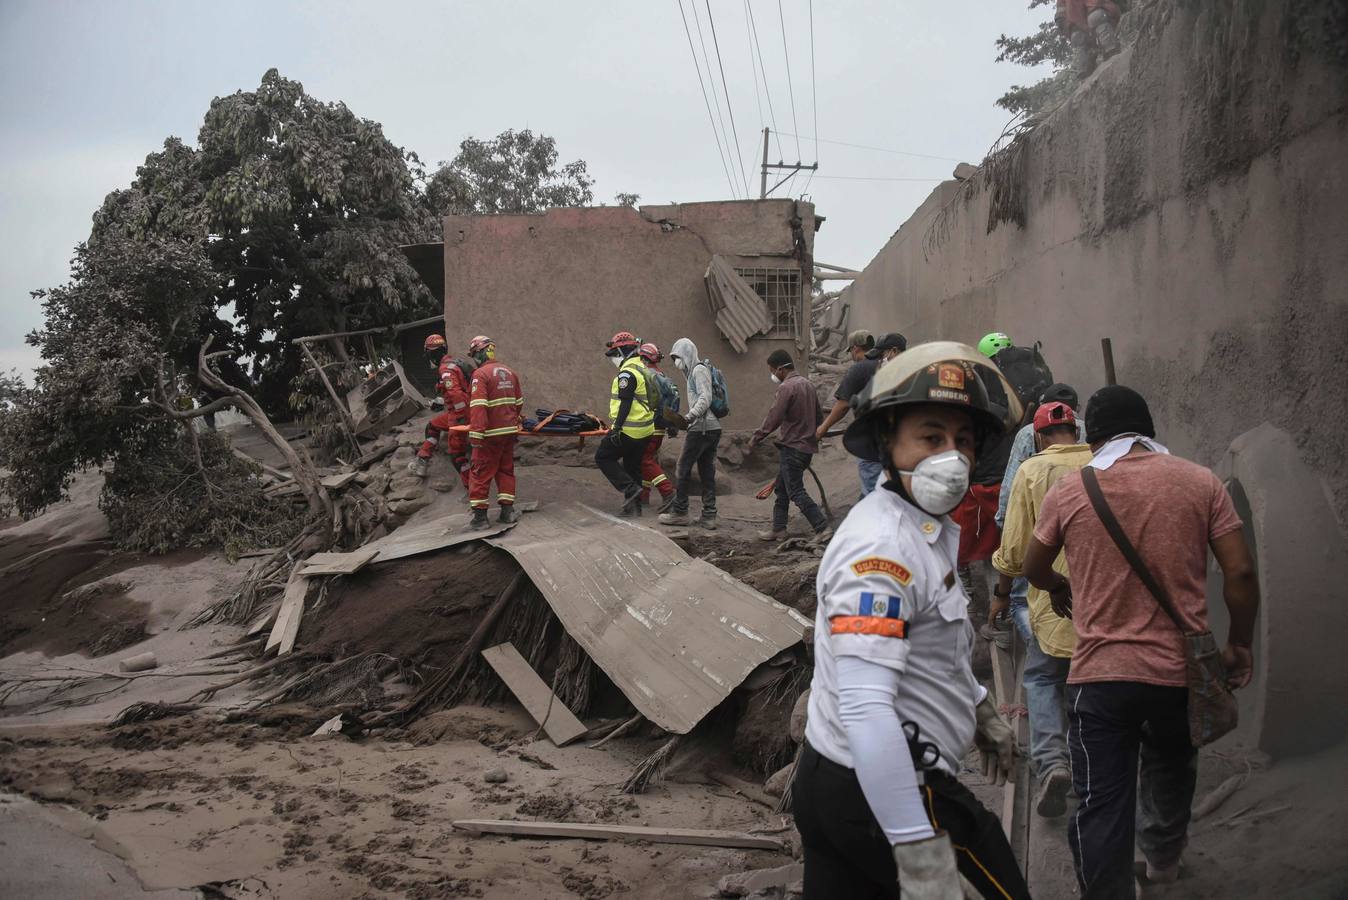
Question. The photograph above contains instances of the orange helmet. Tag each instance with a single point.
(622, 342)
(435, 342)
(650, 353)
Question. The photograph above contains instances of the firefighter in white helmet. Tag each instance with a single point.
(894, 704)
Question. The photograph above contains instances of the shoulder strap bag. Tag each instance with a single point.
(1212, 706)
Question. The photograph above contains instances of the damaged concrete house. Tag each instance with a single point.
(734, 276)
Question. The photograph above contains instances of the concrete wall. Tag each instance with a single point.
(1190, 202)
(552, 288)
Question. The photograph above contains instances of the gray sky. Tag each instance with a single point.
(88, 89)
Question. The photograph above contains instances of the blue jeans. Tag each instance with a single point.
(790, 488)
(1045, 695)
(870, 473)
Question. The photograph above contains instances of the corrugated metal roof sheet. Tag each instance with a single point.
(675, 634)
(740, 312)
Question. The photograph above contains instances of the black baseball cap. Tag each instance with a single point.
(891, 341)
(1060, 393)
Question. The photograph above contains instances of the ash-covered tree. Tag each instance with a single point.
(515, 172)
(1047, 45)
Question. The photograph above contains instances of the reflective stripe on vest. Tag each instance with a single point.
(640, 421)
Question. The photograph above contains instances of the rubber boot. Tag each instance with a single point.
(479, 521)
(631, 508)
(508, 514)
(419, 466)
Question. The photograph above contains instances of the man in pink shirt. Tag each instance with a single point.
(1127, 695)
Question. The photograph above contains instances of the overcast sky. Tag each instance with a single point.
(87, 89)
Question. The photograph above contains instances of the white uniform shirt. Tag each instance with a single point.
(888, 592)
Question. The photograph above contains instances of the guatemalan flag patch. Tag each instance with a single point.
(880, 606)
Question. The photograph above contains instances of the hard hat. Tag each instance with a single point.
(622, 344)
(480, 343)
(993, 343)
(1055, 414)
(651, 353)
(942, 372)
(434, 342)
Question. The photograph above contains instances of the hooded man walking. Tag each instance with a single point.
(700, 441)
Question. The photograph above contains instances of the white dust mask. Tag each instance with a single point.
(940, 482)
(775, 379)
(617, 361)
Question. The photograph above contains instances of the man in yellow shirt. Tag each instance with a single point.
(1049, 639)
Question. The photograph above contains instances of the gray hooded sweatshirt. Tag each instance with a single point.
(698, 379)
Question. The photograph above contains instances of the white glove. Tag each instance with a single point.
(997, 742)
(927, 869)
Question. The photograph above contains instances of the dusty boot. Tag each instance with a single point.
(1051, 799)
(823, 535)
(773, 535)
(631, 508)
(667, 504)
(707, 522)
(479, 521)
(675, 518)
(1106, 36)
(508, 514)
(1083, 57)
(419, 466)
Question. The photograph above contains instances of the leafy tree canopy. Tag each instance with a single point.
(1047, 45)
(515, 172)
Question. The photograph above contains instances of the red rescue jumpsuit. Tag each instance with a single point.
(652, 476)
(453, 387)
(494, 421)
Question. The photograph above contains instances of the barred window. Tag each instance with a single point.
(781, 292)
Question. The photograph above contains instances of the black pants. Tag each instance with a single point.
(620, 461)
(847, 855)
(699, 448)
(1111, 726)
(791, 466)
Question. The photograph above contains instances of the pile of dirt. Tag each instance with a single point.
(415, 609)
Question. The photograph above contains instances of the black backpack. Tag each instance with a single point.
(1027, 371)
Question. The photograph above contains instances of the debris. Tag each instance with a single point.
(1218, 796)
(652, 767)
(337, 563)
(496, 776)
(695, 836)
(778, 781)
(799, 713)
(331, 726)
(743, 788)
(287, 626)
(139, 663)
(541, 703)
(149, 712)
(436, 534)
(760, 881)
(338, 480)
(384, 401)
(619, 731)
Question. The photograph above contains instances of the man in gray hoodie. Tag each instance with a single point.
(700, 439)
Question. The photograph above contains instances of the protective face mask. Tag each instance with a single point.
(678, 364)
(940, 482)
(617, 361)
(775, 379)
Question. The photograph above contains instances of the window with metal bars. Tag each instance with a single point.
(780, 290)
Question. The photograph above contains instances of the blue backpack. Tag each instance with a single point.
(669, 394)
(720, 394)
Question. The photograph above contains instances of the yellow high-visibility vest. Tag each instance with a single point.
(640, 422)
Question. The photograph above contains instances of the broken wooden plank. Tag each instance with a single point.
(696, 836)
(743, 788)
(534, 695)
(288, 619)
(337, 480)
(337, 563)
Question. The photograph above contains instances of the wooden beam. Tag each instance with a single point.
(823, 265)
(695, 836)
(396, 329)
(337, 563)
(534, 695)
(836, 276)
(337, 401)
(287, 625)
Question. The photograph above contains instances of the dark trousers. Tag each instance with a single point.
(790, 488)
(620, 461)
(847, 855)
(1112, 726)
(699, 448)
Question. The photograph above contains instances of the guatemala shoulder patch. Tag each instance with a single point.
(879, 565)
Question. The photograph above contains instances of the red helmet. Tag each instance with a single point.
(651, 353)
(435, 342)
(623, 340)
(479, 343)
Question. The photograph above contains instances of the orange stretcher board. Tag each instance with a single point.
(561, 434)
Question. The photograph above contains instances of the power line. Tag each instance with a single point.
(725, 88)
(794, 123)
(758, 99)
(711, 77)
(874, 178)
(772, 113)
(705, 101)
(877, 149)
(814, 103)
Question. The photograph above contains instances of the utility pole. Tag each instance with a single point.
(795, 167)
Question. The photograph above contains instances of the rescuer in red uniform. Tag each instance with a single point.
(495, 400)
(652, 476)
(452, 380)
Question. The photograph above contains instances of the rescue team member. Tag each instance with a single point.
(652, 476)
(894, 704)
(452, 384)
(632, 411)
(494, 422)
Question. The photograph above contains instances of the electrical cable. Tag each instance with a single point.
(873, 178)
(877, 149)
(814, 104)
(787, 56)
(758, 99)
(711, 77)
(705, 101)
(772, 113)
(725, 88)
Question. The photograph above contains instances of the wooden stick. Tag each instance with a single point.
(396, 329)
(743, 788)
(337, 401)
(695, 836)
(1107, 348)
(622, 729)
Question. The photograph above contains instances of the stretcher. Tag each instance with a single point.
(464, 429)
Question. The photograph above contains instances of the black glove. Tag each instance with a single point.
(438, 403)
(672, 432)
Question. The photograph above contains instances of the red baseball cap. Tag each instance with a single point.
(1054, 415)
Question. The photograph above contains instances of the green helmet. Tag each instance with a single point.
(993, 343)
(944, 372)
